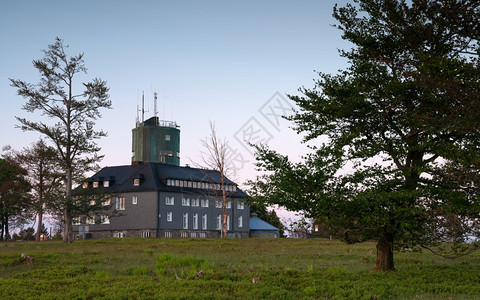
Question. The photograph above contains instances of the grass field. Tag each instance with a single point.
(224, 269)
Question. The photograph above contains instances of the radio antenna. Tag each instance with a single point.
(143, 106)
(155, 110)
(137, 120)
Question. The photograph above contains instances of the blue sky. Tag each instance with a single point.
(231, 62)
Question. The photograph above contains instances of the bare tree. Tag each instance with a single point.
(215, 157)
(74, 108)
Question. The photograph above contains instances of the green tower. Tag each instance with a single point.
(156, 141)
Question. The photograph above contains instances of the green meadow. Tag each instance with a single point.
(227, 269)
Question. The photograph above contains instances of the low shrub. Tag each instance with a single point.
(180, 267)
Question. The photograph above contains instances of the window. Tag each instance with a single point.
(136, 181)
(185, 201)
(169, 216)
(167, 137)
(204, 202)
(195, 221)
(185, 220)
(146, 234)
(85, 185)
(95, 184)
(181, 183)
(316, 227)
(107, 201)
(169, 200)
(106, 183)
(184, 234)
(168, 234)
(228, 222)
(218, 204)
(240, 205)
(240, 221)
(120, 205)
(202, 235)
(92, 202)
(196, 202)
(91, 220)
(104, 219)
(219, 222)
(193, 234)
(76, 220)
(189, 184)
(170, 182)
(119, 235)
(194, 184)
(204, 221)
(134, 200)
(229, 204)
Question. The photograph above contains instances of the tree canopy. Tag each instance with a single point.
(44, 175)
(402, 123)
(73, 106)
(14, 194)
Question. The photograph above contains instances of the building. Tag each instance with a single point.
(156, 197)
(261, 229)
(160, 200)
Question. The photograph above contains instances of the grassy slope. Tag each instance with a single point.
(126, 269)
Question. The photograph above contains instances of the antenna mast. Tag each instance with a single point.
(155, 110)
(137, 120)
(143, 107)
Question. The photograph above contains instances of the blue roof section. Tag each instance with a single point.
(261, 225)
(154, 177)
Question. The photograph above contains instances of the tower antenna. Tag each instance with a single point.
(155, 110)
(137, 120)
(143, 106)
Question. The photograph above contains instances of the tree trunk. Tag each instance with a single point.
(1, 228)
(385, 254)
(39, 225)
(68, 234)
(67, 216)
(6, 227)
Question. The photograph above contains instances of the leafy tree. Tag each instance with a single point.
(14, 197)
(27, 234)
(42, 164)
(74, 109)
(400, 126)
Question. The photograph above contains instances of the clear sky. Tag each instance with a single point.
(230, 62)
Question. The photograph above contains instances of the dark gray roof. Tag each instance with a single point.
(153, 176)
(261, 225)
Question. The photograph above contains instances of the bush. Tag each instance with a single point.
(27, 234)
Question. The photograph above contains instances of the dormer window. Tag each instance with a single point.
(95, 184)
(106, 183)
(85, 185)
(136, 182)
